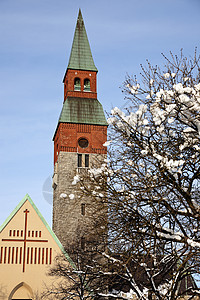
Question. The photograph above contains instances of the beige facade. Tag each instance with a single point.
(28, 248)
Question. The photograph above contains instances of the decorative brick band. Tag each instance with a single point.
(68, 149)
(99, 151)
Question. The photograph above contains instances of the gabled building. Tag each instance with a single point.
(28, 247)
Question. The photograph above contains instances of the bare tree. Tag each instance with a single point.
(80, 276)
(149, 186)
(150, 183)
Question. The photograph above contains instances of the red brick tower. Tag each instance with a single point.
(78, 140)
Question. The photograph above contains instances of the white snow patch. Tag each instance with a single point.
(166, 75)
(76, 180)
(107, 143)
(193, 243)
(63, 195)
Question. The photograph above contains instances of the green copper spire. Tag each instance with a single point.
(81, 55)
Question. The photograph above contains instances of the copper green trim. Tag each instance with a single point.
(13, 213)
(83, 111)
(81, 55)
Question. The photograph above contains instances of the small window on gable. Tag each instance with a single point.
(86, 85)
(77, 84)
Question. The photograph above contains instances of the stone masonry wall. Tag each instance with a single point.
(68, 222)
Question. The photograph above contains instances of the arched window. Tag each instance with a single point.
(21, 291)
(77, 84)
(86, 85)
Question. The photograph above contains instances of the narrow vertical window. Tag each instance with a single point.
(1, 255)
(5, 253)
(87, 160)
(79, 160)
(50, 256)
(35, 256)
(83, 209)
(28, 250)
(82, 243)
(20, 256)
(42, 255)
(77, 84)
(9, 254)
(39, 251)
(46, 256)
(31, 255)
(86, 85)
(13, 254)
(16, 257)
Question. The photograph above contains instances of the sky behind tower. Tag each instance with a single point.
(36, 38)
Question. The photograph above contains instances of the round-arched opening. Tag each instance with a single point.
(77, 84)
(86, 85)
(83, 143)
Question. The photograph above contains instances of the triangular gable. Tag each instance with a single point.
(28, 248)
(18, 234)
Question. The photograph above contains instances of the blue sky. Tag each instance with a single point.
(35, 43)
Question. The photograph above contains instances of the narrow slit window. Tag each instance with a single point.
(79, 160)
(83, 209)
(82, 243)
(77, 84)
(87, 160)
(86, 85)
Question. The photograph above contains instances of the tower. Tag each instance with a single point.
(78, 142)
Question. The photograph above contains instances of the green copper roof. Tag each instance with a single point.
(83, 111)
(81, 55)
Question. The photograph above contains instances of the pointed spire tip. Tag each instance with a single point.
(81, 56)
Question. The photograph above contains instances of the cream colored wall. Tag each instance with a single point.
(35, 275)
